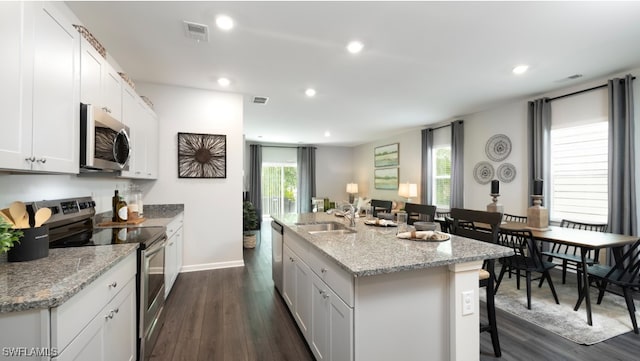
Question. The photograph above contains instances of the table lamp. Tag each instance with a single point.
(352, 189)
(408, 191)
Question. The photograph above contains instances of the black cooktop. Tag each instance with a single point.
(104, 236)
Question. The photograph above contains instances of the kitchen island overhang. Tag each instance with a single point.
(406, 296)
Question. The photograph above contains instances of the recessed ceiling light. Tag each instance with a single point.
(310, 92)
(520, 69)
(224, 82)
(327, 133)
(224, 22)
(355, 47)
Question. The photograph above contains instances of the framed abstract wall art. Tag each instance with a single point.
(202, 155)
(387, 155)
(386, 178)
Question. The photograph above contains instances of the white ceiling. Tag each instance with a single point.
(423, 62)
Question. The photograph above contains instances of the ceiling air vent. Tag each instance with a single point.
(195, 31)
(260, 100)
(574, 76)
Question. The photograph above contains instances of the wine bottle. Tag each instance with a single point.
(114, 206)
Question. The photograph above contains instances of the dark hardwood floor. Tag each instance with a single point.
(235, 314)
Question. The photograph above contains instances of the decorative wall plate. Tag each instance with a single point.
(498, 147)
(483, 172)
(506, 172)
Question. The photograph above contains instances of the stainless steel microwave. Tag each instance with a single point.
(104, 141)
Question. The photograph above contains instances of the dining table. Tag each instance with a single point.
(585, 241)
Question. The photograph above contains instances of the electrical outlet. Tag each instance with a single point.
(467, 303)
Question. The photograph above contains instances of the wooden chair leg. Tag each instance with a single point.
(602, 286)
(553, 289)
(632, 308)
(491, 315)
(528, 290)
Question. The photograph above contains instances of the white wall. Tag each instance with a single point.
(333, 171)
(410, 160)
(213, 207)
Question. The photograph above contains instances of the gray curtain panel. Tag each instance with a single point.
(427, 167)
(539, 139)
(306, 178)
(622, 183)
(255, 176)
(457, 164)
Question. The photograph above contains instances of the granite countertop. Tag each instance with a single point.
(156, 215)
(50, 281)
(375, 250)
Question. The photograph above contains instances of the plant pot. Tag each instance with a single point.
(249, 240)
(34, 244)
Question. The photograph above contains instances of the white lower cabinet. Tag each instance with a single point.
(99, 323)
(111, 334)
(297, 288)
(173, 253)
(323, 317)
(331, 324)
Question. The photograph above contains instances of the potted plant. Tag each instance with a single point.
(8, 236)
(249, 224)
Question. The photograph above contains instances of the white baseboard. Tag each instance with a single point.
(210, 266)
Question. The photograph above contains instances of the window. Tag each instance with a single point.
(579, 165)
(279, 192)
(442, 177)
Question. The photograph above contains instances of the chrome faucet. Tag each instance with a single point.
(351, 215)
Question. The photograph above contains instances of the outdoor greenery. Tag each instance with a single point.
(442, 177)
(279, 188)
(8, 236)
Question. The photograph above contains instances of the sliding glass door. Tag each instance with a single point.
(279, 192)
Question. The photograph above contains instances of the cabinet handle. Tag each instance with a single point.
(109, 316)
(171, 244)
(30, 159)
(325, 295)
(291, 259)
(106, 109)
(114, 284)
(116, 310)
(323, 270)
(42, 160)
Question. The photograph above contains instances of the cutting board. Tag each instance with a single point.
(126, 223)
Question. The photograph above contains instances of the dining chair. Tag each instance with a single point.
(624, 276)
(514, 218)
(380, 206)
(570, 256)
(527, 257)
(461, 223)
(419, 212)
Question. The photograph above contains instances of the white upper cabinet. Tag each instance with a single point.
(56, 101)
(143, 126)
(100, 83)
(15, 74)
(39, 89)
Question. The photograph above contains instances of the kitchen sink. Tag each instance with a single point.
(325, 227)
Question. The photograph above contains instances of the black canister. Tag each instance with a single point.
(34, 244)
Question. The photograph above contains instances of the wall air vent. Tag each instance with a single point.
(196, 31)
(260, 100)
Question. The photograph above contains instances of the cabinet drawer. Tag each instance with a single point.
(175, 225)
(297, 245)
(71, 317)
(340, 281)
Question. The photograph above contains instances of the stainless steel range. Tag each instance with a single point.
(71, 225)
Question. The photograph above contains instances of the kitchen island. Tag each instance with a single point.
(363, 294)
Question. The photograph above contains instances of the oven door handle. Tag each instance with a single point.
(157, 247)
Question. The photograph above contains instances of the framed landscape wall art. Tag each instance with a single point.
(386, 178)
(202, 155)
(387, 155)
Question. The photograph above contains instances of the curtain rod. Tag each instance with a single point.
(583, 91)
(446, 125)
